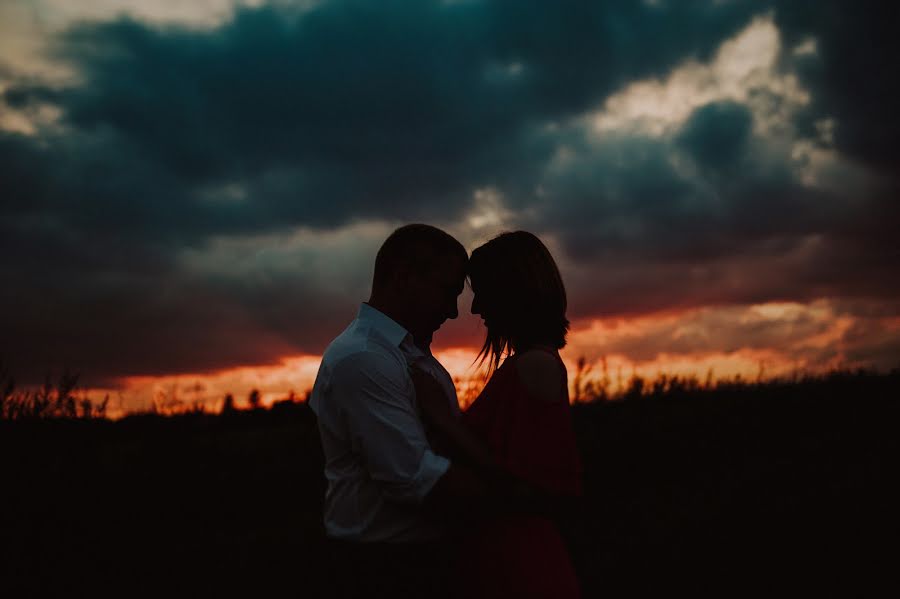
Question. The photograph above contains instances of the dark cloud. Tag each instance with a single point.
(348, 111)
(872, 344)
(716, 134)
(372, 110)
(113, 324)
(24, 96)
(852, 74)
(173, 139)
(777, 270)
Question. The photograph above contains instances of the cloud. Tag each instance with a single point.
(191, 188)
(716, 134)
(848, 70)
(659, 206)
(814, 336)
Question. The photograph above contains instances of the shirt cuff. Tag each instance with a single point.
(431, 469)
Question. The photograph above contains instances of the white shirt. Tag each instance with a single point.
(378, 464)
(426, 362)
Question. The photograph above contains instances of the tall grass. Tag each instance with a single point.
(590, 383)
(59, 398)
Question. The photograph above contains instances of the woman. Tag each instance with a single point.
(521, 419)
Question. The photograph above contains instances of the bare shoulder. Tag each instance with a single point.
(540, 373)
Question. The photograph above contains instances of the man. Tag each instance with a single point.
(379, 467)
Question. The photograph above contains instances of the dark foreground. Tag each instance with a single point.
(774, 489)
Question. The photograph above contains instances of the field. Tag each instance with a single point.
(776, 488)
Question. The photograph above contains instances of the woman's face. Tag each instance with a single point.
(482, 304)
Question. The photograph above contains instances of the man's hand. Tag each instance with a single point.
(435, 407)
(429, 394)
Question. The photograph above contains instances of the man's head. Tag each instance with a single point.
(419, 273)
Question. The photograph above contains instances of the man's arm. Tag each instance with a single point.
(435, 410)
(484, 487)
(376, 402)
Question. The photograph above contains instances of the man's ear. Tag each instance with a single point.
(403, 277)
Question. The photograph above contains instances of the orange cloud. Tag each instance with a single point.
(754, 341)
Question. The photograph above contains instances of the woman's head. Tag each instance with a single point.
(519, 294)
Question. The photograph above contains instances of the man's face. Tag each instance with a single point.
(433, 296)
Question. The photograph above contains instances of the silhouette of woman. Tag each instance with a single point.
(521, 419)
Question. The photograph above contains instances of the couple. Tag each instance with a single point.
(423, 500)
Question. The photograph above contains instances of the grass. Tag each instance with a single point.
(59, 398)
(740, 487)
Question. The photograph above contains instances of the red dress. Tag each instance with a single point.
(523, 555)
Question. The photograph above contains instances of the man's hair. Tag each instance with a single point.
(416, 249)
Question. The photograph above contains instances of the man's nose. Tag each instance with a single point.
(454, 312)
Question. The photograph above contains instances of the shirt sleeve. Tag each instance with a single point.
(377, 401)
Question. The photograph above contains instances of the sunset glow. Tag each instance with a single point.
(192, 195)
(710, 345)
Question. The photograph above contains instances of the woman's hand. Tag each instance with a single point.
(432, 404)
(435, 408)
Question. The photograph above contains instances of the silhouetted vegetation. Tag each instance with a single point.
(58, 398)
(254, 400)
(719, 489)
(228, 404)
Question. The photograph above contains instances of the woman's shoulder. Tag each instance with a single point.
(542, 374)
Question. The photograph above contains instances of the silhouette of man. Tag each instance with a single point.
(379, 467)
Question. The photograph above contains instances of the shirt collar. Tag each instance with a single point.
(392, 331)
(382, 323)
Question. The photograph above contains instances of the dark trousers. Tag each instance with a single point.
(391, 569)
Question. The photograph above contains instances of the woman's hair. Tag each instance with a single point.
(516, 276)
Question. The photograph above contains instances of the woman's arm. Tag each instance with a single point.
(437, 413)
(510, 493)
(542, 440)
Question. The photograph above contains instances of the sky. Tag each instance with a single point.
(192, 194)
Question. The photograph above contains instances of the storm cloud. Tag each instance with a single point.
(192, 198)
